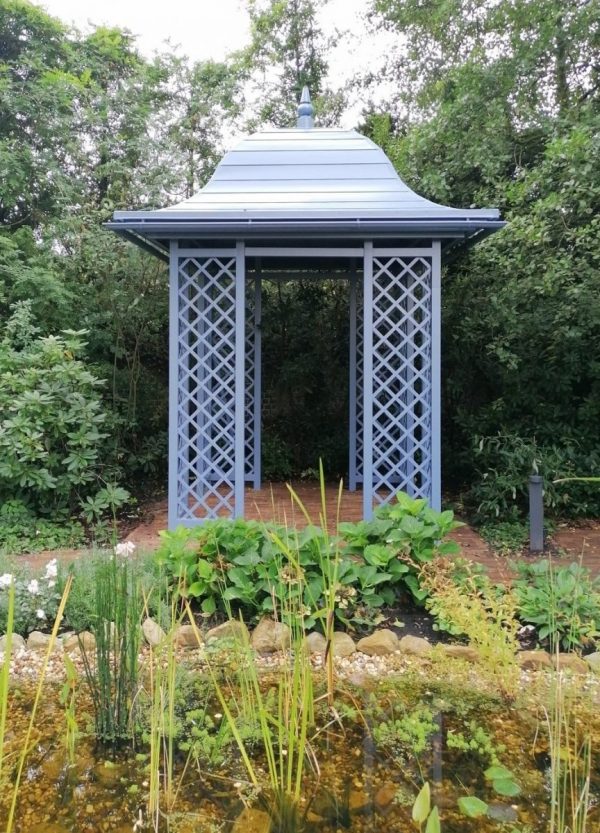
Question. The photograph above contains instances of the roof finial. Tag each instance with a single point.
(305, 111)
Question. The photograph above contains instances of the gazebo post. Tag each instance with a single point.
(240, 392)
(173, 479)
(367, 443)
(436, 429)
(257, 369)
(352, 448)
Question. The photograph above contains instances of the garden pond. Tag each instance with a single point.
(369, 757)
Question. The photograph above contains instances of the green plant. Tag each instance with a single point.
(423, 813)
(68, 694)
(506, 537)
(409, 735)
(51, 417)
(37, 596)
(476, 741)
(404, 535)
(563, 602)
(116, 626)
(22, 531)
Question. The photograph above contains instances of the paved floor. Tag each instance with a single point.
(274, 503)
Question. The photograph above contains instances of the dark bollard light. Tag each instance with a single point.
(536, 513)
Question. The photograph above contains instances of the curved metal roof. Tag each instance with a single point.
(296, 180)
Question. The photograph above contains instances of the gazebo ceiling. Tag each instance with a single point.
(282, 183)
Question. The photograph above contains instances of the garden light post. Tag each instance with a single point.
(536, 513)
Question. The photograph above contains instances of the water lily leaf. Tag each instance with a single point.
(470, 805)
(422, 804)
(506, 786)
(495, 772)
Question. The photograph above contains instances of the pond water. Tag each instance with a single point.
(385, 739)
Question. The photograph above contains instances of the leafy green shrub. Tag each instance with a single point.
(51, 418)
(503, 465)
(403, 536)
(505, 536)
(562, 602)
(21, 531)
(243, 565)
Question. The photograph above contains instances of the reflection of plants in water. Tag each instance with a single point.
(476, 741)
(68, 695)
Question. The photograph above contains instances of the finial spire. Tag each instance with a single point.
(305, 111)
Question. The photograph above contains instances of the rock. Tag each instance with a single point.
(464, 652)
(251, 820)
(18, 643)
(362, 680)
(415, 645)
(501, 812)
(38, 641)
(85, 639)
(315, 643)
(593, 660)
(570, 662)
(358, 801)
(379, 644)
(270, 636)
(385, 796)
(534, 660)
(153, 633)
(232, 629)
(108, 773)
(342, 645)
(187, 636)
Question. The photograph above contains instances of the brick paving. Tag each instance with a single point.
(274, 503)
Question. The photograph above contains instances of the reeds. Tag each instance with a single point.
(113, 681)
(5, 673)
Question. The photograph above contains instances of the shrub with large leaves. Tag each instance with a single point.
(51, 418)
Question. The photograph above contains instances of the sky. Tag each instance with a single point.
(210, 29)
(201, 28)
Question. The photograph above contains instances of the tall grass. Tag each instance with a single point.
(116, 618)
(5, 673)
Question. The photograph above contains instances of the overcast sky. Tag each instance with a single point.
(202, 28)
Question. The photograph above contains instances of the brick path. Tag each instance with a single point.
(273, 503)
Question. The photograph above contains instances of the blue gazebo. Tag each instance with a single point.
(296, 203)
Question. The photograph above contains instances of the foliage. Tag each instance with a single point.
(407, 736)
(112, 678)
(505, 536)
(476, 741)
(563, 602)
(246, 565)
(471, 605)
(404, 535)
(36, 597)
(21, 531)
(51, 418)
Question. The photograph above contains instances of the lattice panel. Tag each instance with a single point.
(206, 365)
(401, 377)
(249, 382)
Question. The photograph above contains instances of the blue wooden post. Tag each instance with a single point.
(536, 513)
(173, 487)
(257, 381)
(240, 393)
(436, 353)
(367, 467)
(352, 416)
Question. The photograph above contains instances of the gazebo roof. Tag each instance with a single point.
(293, 181)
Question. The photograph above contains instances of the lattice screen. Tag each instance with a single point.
(401, 377)
(206, 377)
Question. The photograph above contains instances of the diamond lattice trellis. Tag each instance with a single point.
(206, 387)
(401, 378)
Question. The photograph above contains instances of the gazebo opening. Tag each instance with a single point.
(309, 204)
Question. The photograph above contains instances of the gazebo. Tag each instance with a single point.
(289, 203)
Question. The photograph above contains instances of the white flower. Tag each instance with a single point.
(51, 569)
(125, 548)
(40, 613)
(6, 580)
(33, 587)
(51, 583)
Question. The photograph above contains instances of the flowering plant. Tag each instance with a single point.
(36, 598)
